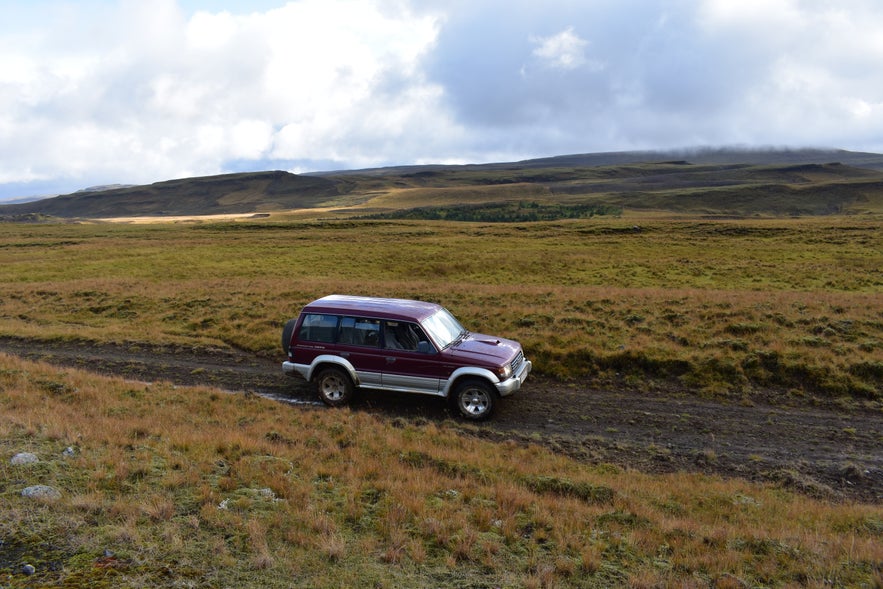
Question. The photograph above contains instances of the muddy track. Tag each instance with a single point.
(824, 452)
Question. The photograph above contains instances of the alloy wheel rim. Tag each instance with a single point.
(475, 402)
(332, 388)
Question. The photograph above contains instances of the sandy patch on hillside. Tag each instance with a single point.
(181, 218)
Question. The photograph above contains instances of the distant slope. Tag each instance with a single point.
(872, 161)
(707, 182)
(210, 195)
(682, 187)
(740, 189)
(856, 159)
(738, 182)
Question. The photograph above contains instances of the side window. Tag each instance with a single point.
(357, 331)
(318, 328)
(399, 335)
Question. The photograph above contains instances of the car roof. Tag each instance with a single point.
(382, 308)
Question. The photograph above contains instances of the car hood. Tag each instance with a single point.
(485, 348)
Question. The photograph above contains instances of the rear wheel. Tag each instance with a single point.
(475, 399)
(334, 386)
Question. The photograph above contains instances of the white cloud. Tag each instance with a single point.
(816, 68)
(104, 91)
(776, 14)
(251, 139)
(210, 31)
(185, 95)
(565, 50)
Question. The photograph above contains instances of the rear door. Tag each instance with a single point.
(359, 344)
(315, 337)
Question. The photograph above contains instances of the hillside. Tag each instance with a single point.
(782, 157)
(210, 195)
(706, 182)
(682, 187)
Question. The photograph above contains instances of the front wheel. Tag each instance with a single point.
(334, 386)
(475, 399)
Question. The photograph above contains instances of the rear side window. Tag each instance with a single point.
(357, 331)
(318, 328)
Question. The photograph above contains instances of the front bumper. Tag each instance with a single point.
(513, 383)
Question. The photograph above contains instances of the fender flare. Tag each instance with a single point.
(326, 359)
(469, 371)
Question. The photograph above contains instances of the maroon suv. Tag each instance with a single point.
(346, 342)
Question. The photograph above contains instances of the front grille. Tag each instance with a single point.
(516, 362)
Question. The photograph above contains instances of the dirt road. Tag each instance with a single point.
(824, 452)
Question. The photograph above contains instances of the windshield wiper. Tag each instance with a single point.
(463, 335)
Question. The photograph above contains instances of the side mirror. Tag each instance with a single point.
(425, 347)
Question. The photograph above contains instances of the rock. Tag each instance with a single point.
(41, 492)
(28, 569)
(266, 494)
(24, 458)
(69, 451)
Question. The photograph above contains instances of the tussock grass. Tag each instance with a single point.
(174, 487)
(720, 307)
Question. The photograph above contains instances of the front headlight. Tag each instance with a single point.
(504, 372)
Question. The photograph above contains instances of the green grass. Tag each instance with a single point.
(518, 212)
(724, 308)
(173, 486)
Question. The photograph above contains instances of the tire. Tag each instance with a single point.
(475, 399)
(334, 387)
(286, 335)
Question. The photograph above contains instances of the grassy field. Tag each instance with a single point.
(727, 308)
(165, 486)
(172, 487)
(733, 293)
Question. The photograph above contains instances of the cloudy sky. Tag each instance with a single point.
(136, 91)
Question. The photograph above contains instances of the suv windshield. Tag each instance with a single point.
(443, 328)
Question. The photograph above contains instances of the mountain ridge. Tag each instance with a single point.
(699, 155)
(772, 182)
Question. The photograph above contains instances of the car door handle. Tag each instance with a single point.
(390, 359)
